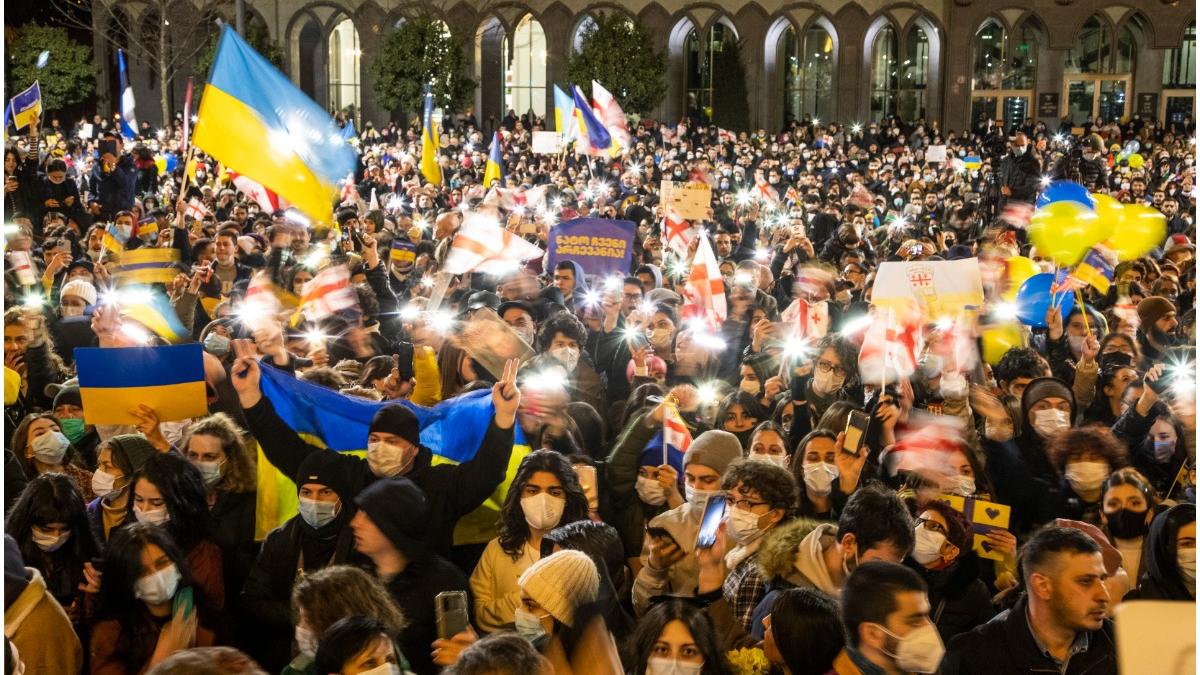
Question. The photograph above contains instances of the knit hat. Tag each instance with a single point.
(1154, 308)
(715, 448)
(397, 507)
(399, 420)
(561, 583)
(653, 455)
(80, 289)
(1045, 387)
(130, 451)
(68, 395)
(329, 469)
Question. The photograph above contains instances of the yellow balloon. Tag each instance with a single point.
(1066, 231)
(1020, 268)
(1136, 161)
(1139, 230)
(1108, 209)
(997, 340)
(161, 163)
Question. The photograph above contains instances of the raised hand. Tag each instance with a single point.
(506, 397)
(246, 374)
(148, 425)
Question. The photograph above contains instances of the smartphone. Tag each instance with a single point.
(714, 513)
(587, 480)
(798, 230)
(661, 533)
(450, 610)
(185, 601)
(856, 431)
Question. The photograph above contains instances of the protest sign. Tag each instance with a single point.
(600, 246)
(935, 153)
(546, 142)
(692, 200)
(169, 379)
(939, 288)
(983, 517)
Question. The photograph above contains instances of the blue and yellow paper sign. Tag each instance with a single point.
(113, 381)
(984, 516)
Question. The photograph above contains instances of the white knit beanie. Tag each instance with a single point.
(561, 583)
(80, 289)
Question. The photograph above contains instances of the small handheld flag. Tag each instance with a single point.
(148, 266)
(403, 250)
(495, 163)
(128, 113)
(26, 105)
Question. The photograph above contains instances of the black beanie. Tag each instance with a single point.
(399, 420)
(330, 469)
(397, 507)
(68, 396)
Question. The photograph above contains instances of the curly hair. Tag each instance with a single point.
(1019, 362)
(239, 474)
(185, 496)
(775, 485)
(847, 353)
(1072, 443)
(326, 596)
(514, 530)
(561, 322)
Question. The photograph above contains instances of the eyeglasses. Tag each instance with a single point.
(825, 367)
(744, 504)
(932, 526)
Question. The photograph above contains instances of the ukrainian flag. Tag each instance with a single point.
(112, 239)
(148, 266)
(1095, 270)
(591, 129)
(564, 115)
(495, 164)
(452, 430)
(168, 379)
(25, 105)
(429, 142)
(256, 122)
(972, 162)
(403, 250)
(150, 307)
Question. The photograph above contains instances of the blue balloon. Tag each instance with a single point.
(172, 161)
(1066, 191)
(1034, 299)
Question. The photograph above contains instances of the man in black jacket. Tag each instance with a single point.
(1059, 624)
(1020, 172)
(394, 450)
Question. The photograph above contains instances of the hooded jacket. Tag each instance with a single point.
(958, 598)
(680, 579)
(1161, 579)
(792, 556)
(39, 628)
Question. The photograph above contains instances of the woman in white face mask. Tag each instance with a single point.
(1084, 458)
(147, 582)
(51, 527)
(545, 494)
(169, 492)
(941, 554)
(768, 443)
(818, 475)
(43, 448)
(1170, 557)
(358, 645)
(324, 599)
(676, 638)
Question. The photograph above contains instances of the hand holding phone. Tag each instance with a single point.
(450, 611)
(856, 431)
(714, 514)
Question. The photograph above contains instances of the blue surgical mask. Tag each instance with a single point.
(316, 513)
(216, 344)
(1163, 450)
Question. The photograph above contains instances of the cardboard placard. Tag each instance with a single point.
(983, 516)
(691, 200)
(546, 142)
(935, 153)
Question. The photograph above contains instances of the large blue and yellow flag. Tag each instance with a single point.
(256, 122)
(429, 142)
(25, 105)
(452, 430)
(112, 381)
(591, 129)
(564, 115)
(495, 163)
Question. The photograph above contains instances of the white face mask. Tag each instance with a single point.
(159, 587)
(103, 483)
(529, 626)
(698, 498)
(71, 310)
(826, 383)
(306, 641)
(388, 459)
(543, 510)
(382, 669)
(819, 477)
(650, 491)
(660, 339)
(1076, 343)
(920, 651)
(1186, 557)
(568, 356)
(49, 542)
(658, 665)
(211, 471)
(928, 546)
(962, 485)
(50, 447)
(751, 387)
(1051, 421)
(153, 517)
(1086, 476)
(741, 526)
(777, 460)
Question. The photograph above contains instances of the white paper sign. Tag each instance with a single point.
(546, 142)
(935, 153)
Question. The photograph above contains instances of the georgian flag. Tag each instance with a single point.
(678, 234)
(266, 200)
(482, 245)
(704, 294)
(808, 320)
(328, 292)
(675, 432)
(196, 209)
(890, 348)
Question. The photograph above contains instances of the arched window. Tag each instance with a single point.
(808, 74)
(701, 57)
(885, 74)
(1091, 52)
(914, 75)
(309, 43)
(586, 24)
(1003, 73)
(1179, 65)
(1023, 57)
(990, 44)
(525, 69)
(344, 57)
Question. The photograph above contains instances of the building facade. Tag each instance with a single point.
(848, 60)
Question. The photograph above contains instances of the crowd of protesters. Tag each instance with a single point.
(134, 549)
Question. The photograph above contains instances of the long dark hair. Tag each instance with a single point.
(748, 403)
(514, 531)
(53, 498)
(806, 630)
(182, 489)
(804, 503)
(652, 624)
(122, 569)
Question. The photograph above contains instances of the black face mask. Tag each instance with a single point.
(1126, 524)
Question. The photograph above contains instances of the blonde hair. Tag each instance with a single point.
(334, 593)
(240, 474)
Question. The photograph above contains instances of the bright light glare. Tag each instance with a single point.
(134, 296)
(316, 337)
(796, 347)
(294, 216)
(857, 324)
(441, 321)
(427, 282)
(856, 128)
(706, 393)
(1005, 311)
(136, 333)
(33, 300)
(1045, 181)
(410, 312)
(551, 379)
(591, 298)
(944, 324)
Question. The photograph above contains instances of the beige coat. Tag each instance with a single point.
(41, 631)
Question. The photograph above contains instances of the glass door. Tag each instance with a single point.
(1177, 104)
(1089, 96)
(1011, 108)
